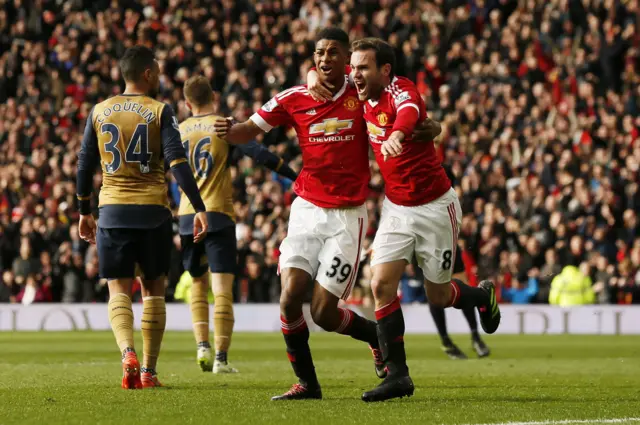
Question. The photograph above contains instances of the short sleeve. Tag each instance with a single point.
(273, 113)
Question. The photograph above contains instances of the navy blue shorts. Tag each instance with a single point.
(119, 250)
(217, 252)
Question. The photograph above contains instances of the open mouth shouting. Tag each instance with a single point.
(327, 70)
(361, 88)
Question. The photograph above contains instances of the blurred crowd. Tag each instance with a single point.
(540, 105)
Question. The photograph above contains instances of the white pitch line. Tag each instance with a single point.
(570, 421)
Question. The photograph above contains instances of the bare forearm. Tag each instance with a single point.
(397, 135)
(243, 133)
(435, 128)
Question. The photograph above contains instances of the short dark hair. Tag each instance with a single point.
(197, 91)
(335, 34)
(383, 51)
(135, 61)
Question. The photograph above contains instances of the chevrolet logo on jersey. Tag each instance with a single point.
(374, 132)
(330, 126)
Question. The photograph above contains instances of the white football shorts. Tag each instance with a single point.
(429, 230)
(326, 243)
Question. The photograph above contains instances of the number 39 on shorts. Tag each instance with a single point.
(339, 268)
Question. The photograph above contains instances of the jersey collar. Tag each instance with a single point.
(341, 91)
(372, 102)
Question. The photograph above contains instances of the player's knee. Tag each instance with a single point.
(153, 287)
(383, 289)
(438, 294)
(288, 304)
(295, 283)
(291, 299)
(201, 279)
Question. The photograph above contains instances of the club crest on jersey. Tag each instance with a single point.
(383, 119)
(330, 126)
(270, 105)
(351, 103)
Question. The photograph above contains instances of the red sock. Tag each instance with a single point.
(388, 309)
(346, 319)
(455, 294)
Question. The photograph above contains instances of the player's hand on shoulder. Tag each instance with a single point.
(393, 145)
(318, 91)
(200, 227)
(222, 126)
(87, 228)
(427, 130)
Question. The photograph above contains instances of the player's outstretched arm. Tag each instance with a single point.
(264, 157)
(427, 130)
(88, 160)
(237, 133)
(174, 154)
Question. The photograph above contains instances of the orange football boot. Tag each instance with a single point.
(150, 380)
(131, 372)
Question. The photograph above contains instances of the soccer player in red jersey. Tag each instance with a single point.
(421, 212)
(327, 221)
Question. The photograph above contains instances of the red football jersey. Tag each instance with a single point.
(333, 140)
(415, 177)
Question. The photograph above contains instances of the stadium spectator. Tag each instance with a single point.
(550, 269)
(539, 101)
(521, 293)
(33, 292)
(25, 265)
(7, 287)
(572, 287)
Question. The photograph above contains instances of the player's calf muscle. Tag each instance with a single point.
(324, 309)
(462, 276)
(438, 294)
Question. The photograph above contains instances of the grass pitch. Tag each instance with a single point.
(74, 378)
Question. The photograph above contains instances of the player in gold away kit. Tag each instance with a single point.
(209, 157)
(132, 136)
